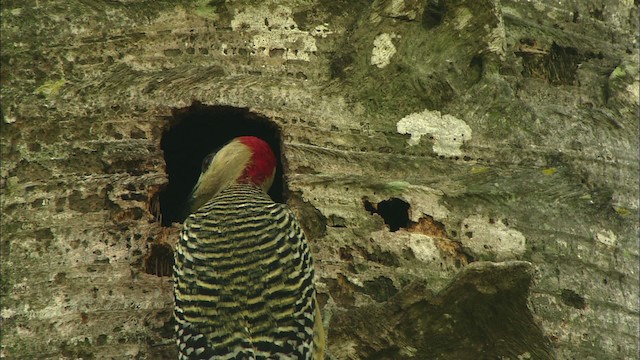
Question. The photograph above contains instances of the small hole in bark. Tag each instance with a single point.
(369, 206)
(380, 289)
(198, 130)
(394, 212)
(345, 253)
(433, 14)
(476, 67)
(573, 299)
(159, 261)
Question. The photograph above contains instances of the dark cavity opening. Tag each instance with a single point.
(198, 130)
(159, 261)
(476, 67)
(394, 212)
(433, 13)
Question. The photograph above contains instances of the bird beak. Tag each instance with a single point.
(189, 203)
(196, 198)
(185, 209)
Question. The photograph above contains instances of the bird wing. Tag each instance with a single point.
(244, 284)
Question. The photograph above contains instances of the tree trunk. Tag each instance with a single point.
(467, 171)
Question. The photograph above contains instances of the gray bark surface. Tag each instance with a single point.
(510, 128)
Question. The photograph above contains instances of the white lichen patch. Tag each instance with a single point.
(55, 308)
(424, 201)
(448, 132)
(24, 332)
(634, 91)
(401, 9)
(607, 237)
(496, 40)
(524, 356)
(383, 50)
(354, 280)
(292, 46)
(321, 31)
(423, 248)
(485, 238)
(262, 18)
(462, 18)
(277, 34)
(9, 118)
(7, 313)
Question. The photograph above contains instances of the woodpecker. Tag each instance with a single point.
(243, 273)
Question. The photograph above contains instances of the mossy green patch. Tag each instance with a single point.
(51, 88)
(396, 186)
(622, 211)
(205, 10)
(479, 169)
(11, 184)
(20, 348)
(618, 72)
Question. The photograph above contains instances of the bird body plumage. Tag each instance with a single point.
(243, 281)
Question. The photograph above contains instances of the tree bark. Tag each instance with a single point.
(467, 171)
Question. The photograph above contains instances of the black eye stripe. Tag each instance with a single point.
(207, 161)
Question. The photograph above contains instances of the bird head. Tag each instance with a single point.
(245, 159)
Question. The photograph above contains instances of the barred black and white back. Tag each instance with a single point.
(244, 281)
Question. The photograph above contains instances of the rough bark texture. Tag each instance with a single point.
(508, 129)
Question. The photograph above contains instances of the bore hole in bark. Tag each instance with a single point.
(159, 262)
(557, 64)
(433, 13)
(573, 299)
(198, 130)
(476, 67)
(394, 212)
